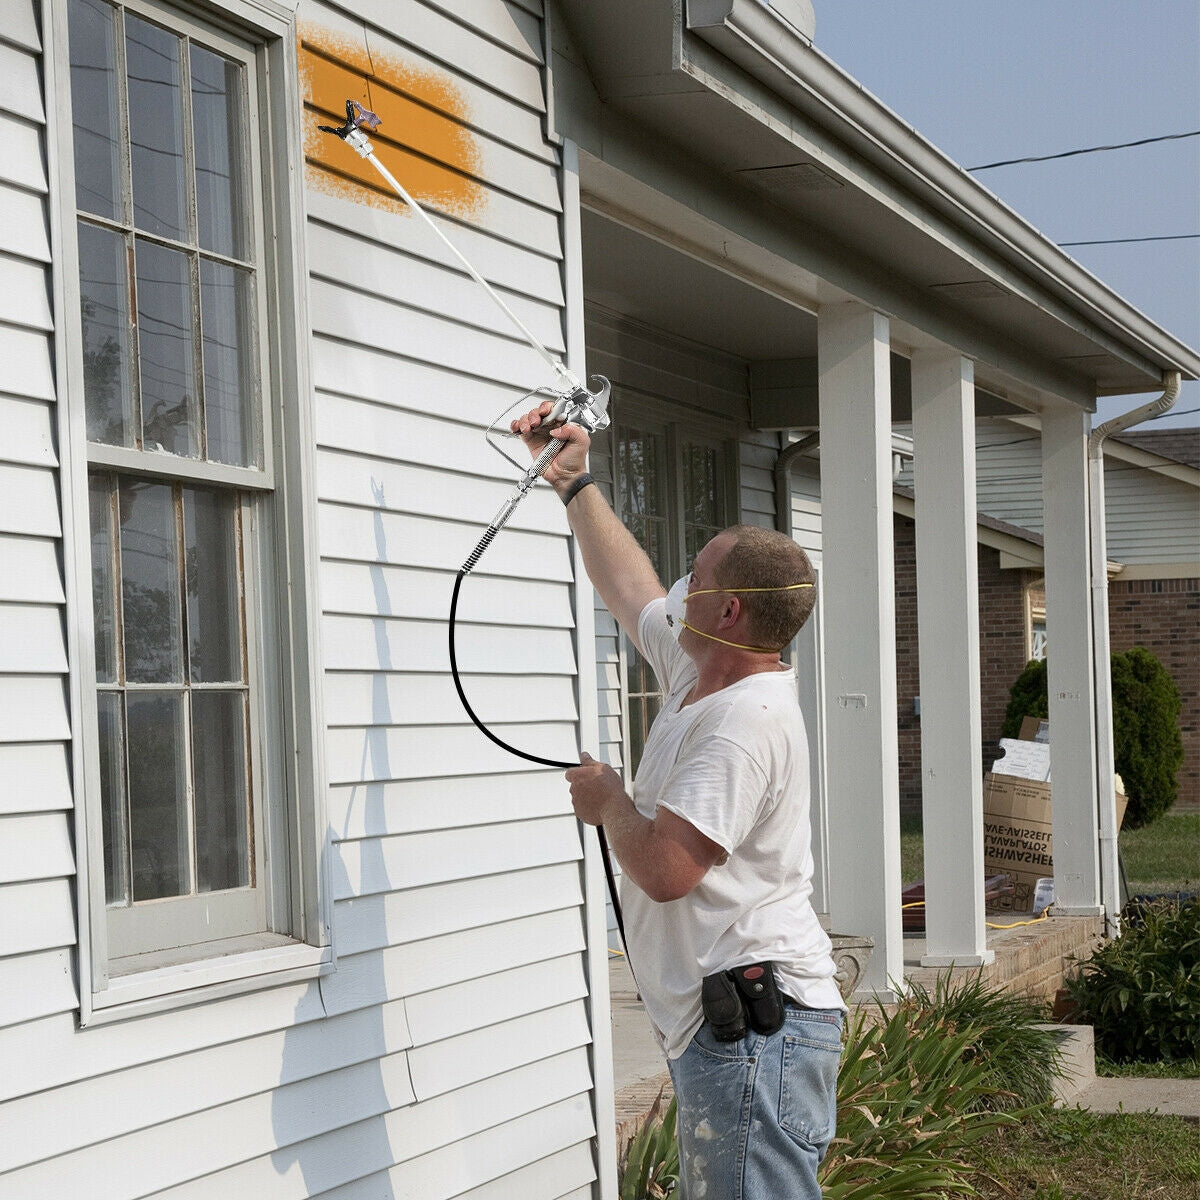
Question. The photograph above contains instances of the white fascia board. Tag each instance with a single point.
(753, 35)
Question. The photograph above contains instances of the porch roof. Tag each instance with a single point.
(733, 84)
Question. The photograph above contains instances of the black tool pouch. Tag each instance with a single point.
(760, 994)
(723, 1008)
(744, 997)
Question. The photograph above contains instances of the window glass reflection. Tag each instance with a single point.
(156, 129)
(166, 351)
(153, 622)
(218, 119)
(94, 108)
(158, 824)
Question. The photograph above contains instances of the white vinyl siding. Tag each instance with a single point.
(457, 868)
(448, 1054)
(37, 868)
(1150, 518)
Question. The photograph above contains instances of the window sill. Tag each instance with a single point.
(154, 983)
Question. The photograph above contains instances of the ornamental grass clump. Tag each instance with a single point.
(1141, 991)
(649, 1166)
(917, 1089)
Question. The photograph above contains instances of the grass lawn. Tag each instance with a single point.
(1186, 1069)
(1071, 1154)
(1163, 857)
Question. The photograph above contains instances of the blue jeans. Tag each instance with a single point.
(756, 1116)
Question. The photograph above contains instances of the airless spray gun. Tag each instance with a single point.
(574, 404)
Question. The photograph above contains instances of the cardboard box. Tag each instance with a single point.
(1017, 834)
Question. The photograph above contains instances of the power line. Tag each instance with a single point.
(1010, 162)
(1168, 237)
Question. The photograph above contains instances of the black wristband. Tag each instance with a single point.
(577, 486)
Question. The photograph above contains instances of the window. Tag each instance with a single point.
(673, 488)
(185, 779)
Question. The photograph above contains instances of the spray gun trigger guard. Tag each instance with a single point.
(357, 117)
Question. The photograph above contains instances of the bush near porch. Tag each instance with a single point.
(1147, 742)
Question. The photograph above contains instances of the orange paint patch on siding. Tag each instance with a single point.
(423, 140)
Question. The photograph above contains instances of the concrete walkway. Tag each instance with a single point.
(640, 1070)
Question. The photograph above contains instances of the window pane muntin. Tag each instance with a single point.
(96, 109)
(159, 818)
(221, 790)
(108, 377)
(230, 364)
(151, 601)
(218, 117)
(156, 129)
(167, 369)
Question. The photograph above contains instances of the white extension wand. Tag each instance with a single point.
(576, 404)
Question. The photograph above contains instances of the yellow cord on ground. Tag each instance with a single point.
(1014, 925)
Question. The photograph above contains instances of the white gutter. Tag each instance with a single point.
(754, 35)
(1102, 659)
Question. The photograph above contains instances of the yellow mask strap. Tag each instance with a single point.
(789, 587)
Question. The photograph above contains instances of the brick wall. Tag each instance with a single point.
(1163, 615)
(1001, 653)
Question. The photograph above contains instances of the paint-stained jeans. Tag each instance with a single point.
(756, 1116)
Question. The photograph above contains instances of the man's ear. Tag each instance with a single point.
(730, 613)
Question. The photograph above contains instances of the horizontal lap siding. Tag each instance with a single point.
(448, 1053)
(1149, 518)
(456, 867)
(37, 864)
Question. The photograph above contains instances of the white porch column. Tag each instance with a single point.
(1069, 662)
(943, 409)
(860, 634)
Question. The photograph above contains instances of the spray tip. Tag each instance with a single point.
(357, 117)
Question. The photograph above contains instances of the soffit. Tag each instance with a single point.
(831, 181)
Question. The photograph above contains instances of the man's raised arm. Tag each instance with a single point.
(617, 566)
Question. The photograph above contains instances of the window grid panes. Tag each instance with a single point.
(174, 709)
(166, 267)
(170, 297)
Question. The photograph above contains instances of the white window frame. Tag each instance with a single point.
(298, 943)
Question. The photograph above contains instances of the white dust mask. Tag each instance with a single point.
(676, 610)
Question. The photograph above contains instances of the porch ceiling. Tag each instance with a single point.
(940, 241)
(641, 278)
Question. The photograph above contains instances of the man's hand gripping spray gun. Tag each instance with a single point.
(576, 405)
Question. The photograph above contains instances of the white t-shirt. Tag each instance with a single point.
(734, 765)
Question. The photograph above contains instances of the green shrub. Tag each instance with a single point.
(1147, 743)
(1141, 991)
(1028, 698)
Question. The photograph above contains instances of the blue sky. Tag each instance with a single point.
(985, 80)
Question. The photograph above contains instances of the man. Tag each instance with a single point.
(715, 844)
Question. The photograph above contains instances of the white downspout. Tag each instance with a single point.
(1102, 665)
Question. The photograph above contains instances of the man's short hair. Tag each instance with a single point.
(766, 558)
